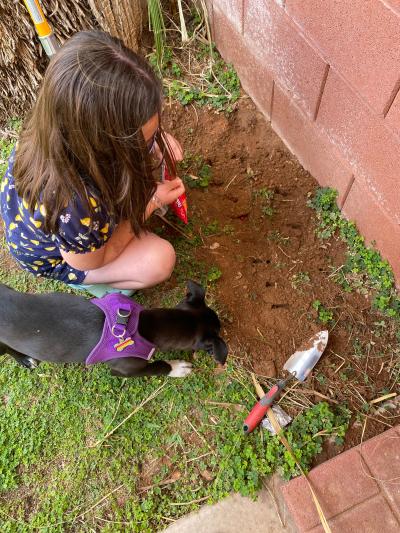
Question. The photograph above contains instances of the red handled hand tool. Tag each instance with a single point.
(299, 366)
(260, 409)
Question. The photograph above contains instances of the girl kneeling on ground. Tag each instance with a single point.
(80, 184)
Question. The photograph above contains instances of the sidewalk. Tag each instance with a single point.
(359, 491)
(237, 514)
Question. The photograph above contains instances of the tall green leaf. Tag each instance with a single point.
(157, 26)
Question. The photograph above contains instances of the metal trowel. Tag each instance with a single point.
(299, 366)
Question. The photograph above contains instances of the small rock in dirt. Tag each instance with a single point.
(207, 475)
(175, 475)
(249, 171)
(238, 275)
(266, 368)
(214, 246)
(240, 205)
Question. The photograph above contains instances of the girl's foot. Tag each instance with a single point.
(100, 290)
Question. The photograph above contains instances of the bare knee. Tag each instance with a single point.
(145, 262)
(165, 260)
(162, 261)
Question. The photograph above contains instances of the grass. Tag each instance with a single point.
(196, 173)
(371, 368)
(300, 279)
(217, 86)
(180, 448)
(325, 316)
(278, 238)
(6, 146)
(157, 26)
(265, 197)
(364, 270)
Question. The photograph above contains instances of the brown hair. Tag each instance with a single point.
(84, 131)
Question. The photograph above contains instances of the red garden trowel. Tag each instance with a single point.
(299, 366)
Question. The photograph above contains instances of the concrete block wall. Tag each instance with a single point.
(326, 74)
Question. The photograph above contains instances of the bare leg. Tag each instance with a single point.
(145, 262)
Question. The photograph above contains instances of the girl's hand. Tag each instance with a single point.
(169, 191)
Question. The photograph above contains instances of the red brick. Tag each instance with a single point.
(314, 151)
(360, 38)
(257, 82)
(382, 455)
(233, 11)
(393, 116)
(254, 77)
(372, 516)
(371, 149)
(339, 485)
(278, 45)
(374, 224)
(392, 4)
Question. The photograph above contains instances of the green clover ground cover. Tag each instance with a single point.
(179, 448)
(364, 269)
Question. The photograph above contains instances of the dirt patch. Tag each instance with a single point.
(257, 230)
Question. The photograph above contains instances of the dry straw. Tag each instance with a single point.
(278, 430)
(22, 60)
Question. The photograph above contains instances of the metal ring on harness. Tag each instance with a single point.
(122, 336)
(124, 313)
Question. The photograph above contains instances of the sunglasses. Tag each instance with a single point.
(151, 143)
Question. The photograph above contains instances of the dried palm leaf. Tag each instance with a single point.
(22, 60)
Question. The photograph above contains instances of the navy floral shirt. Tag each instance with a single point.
(39, 252)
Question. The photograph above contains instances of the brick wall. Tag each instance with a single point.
(326, 74)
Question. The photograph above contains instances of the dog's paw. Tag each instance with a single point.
(30, 362)
(179, 369)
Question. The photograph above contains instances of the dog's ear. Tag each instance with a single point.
(218, 348)
(195, 292)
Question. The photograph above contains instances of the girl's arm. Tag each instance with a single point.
(167, 193)
(118, 241)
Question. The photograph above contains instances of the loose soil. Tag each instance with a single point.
(265, 296)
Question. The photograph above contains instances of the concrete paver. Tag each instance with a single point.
(237, 514)
(358, 490)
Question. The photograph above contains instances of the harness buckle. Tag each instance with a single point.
(121, 322)
(123, 316)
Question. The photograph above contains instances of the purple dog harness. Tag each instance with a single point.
(120, 337)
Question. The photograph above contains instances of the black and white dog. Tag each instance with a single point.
(64, 328)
